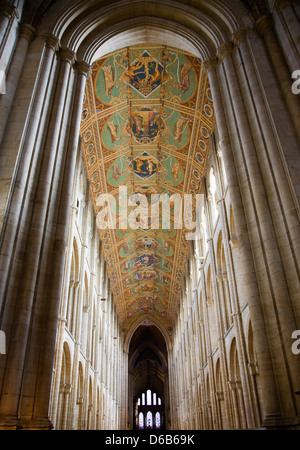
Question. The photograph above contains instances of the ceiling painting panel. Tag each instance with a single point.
(146, 121)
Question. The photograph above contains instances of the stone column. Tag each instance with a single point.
(27, 166)
(57, 373)
(234, 394)
(247, 271)
(40, 240)
(262, 229)
(8, 13)
(223, 362)
(46, 314)
(26, 33)
(58, 255)
(283, 207)
(18, 324)
(236, 316)
(265, 28)
(286, 10)
(67, 389)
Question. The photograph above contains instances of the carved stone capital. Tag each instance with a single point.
(67, 55)
(52, 42)
(264, 25)
(26, 31)
(210, 64)
(8, 10)
(224, 50)
(233, 242)
(84, 68)
(239, 36)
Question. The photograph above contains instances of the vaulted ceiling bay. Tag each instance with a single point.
(146, 121)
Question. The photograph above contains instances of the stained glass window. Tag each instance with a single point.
(157, 420)
(149, 419)
(141, 420)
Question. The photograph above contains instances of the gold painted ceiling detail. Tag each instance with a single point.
(146, 121)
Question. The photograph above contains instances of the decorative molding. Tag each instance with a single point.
(224, 50)
(84, 68)
(68, 55)
(210, 64)
(26, 31)
(264, 25)
(234, 243)
(9, 11)
(240, 36)
(52, 42)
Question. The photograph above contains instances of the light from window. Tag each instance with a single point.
(154, 399)
(143, 399)
(141, 420)
(149, 419)
(157, 420)
(149, 397)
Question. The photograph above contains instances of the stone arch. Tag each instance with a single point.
(205, 29)
(147, 370)
(135, 326)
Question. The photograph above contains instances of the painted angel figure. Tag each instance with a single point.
(185, 77)
(109, 79)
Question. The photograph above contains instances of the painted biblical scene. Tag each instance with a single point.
(146, 123)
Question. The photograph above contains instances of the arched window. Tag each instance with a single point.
(154, 399)
(149, 397)
(150, 411)
(149, 419)
(157, 420)
(141, 421)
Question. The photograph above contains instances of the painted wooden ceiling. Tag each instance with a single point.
(146, 121)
